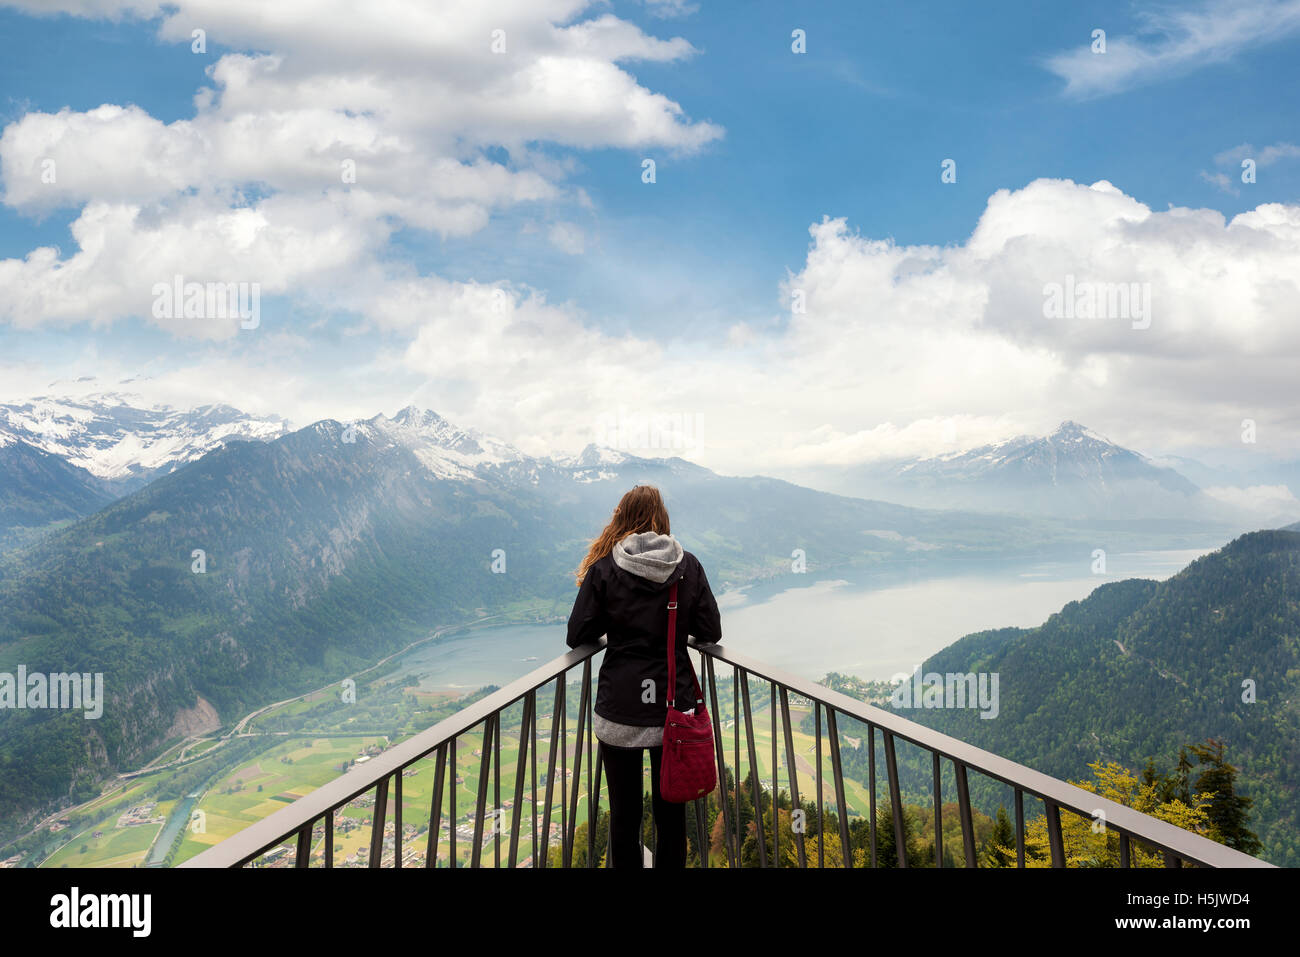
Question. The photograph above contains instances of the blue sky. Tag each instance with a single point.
(855, 128)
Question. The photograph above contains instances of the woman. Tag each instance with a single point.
(623, 594)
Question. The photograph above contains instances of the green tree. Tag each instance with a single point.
(1090, 844)
(1228, 811)
(886, 840)
(1000, 848)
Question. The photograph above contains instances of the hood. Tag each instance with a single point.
(648, 555)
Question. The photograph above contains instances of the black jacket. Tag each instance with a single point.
(633, 613)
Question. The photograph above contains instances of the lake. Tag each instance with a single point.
(867, 622)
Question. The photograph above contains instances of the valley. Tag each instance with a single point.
(346, 548)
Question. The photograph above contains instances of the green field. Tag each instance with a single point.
(117, 847)
(253, 790)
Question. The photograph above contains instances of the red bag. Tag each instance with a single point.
(687, 770)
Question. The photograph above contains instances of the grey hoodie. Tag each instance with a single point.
(648, 554)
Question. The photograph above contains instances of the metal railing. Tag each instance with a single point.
(293, 829)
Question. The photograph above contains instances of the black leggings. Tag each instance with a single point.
(622, 769)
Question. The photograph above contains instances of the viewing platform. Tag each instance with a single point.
(431, 832)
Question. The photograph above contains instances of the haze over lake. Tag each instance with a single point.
(871, 623)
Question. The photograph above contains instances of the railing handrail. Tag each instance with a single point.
(275, 829)
(1185, 843)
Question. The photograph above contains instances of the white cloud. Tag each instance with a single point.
(362, 119)
(908, 350)
(902, 350)
(929, 332)
(285, 244)
(668, 9)
(1265, 157)
(1272, 502)
(1221, 180)
(887, 441)
(1237, 156)
(568, 237)
(110, 9)
(1171, 41)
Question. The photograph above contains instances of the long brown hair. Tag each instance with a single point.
(640, 510)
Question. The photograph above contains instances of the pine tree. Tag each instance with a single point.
(1182, 778)
(886, 850)
(1000, 849)
(1228, 811)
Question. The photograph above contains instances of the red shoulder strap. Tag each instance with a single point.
(672, 650)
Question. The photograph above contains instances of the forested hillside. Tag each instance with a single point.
(1139, 669)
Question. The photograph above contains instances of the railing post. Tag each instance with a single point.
(938, 812)
(572, 828)
(521, 769)
(735, 745)
(841, 804)
(532, 761)
(963, 809)
(564, 775)
(544, 848)
(792, 771)
(821, 817)
(753, 771)
(397, 819)
(1020, 828)
(435, 809)
(895, 800)
(721, 757)
(1054, 833)
(776, 786)
(451, 812)
(303, 854)
(593, 797)
(871, 770)
(496, 791)
(480, 800)
(377, 822)
(701, 840)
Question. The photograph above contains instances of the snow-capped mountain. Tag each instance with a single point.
(594, 456)
(123, 441)
(446, 450)
(1072, 473)
(108, 444)
(1073, 455)
(598, 463)
(457, 454)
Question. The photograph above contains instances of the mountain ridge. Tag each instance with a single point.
(124, 444)
(1140, 668)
